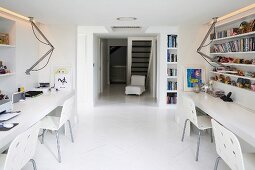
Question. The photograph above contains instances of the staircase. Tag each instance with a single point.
(141, 57)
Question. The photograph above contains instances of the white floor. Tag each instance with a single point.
(127, 136)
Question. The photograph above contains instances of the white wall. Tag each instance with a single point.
(190, 37)
(23, 56)
(63, 38)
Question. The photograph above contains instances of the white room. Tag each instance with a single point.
(127, 85)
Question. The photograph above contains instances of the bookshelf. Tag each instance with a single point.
(238, 49)
(171, 65)
(8, 55)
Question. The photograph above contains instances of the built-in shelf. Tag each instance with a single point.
(235, 36)
(172, 48)
(7, 74)
(235, 64)
(171, 62)
(172, 77)
(234, 86)
(7, 46)
(233, 75)
(230, 53)
(171, 91)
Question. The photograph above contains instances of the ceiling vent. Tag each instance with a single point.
(126, 28)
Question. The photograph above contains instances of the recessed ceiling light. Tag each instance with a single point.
(126, 18)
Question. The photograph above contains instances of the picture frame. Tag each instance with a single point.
(62, 77)
(193, 75)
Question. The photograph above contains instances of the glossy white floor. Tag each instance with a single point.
(121, 134)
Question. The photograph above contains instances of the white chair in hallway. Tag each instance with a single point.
(56, 119)
(137, 86)
(21, 150)
(201, 122)
(229, 149)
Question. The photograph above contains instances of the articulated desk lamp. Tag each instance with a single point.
(47, 42)
(203, 45)
(224, 98)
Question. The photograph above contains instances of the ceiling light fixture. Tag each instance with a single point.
(6, 11)
(126, 18)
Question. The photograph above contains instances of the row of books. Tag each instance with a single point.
(171, 57)
(171, 85)
(172, 41)
(242, 45)
(171, 98)
(171, 72)
(224, 33)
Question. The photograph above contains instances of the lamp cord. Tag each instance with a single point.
(37, 37)
(45, 44)
(214, 34)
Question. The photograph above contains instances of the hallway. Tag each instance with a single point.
(115, 95)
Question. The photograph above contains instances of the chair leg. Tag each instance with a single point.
(43, 133)
(58, 146)
(33, 163)
(71, 132)
(183, 133)
(198, 144)
(211, 131)
(217, 163)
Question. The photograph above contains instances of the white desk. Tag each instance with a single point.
(236, 118)
(32, 111)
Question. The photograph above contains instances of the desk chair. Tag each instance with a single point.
(21, 150)
(229, 149)
(201, 122)
(56, 119)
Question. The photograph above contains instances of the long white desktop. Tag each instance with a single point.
(236, 118)
(32, 111)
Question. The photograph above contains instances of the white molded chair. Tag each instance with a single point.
(137, 85)
(201, 122)
(21, 150)
(229, 149)
(56, 119)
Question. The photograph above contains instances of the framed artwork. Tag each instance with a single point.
(193, 75)
(62, 77)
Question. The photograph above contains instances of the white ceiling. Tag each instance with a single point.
(105, 12)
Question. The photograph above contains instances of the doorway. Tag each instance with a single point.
(118, 64)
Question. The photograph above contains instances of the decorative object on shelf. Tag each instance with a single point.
(226, 98)
(3, 68)
(172, 41)
(47, 42)
(4, 38)
(193, 75)
(252, 26)
(196, 88)
(244, 27)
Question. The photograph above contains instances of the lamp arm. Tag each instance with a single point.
(48, 43)
(203, 42)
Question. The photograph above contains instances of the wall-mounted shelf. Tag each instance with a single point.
(7, 74)
(233, 75)
(172, 63)
(230, 53)
(235, 36)
(172, 48)
(172, 77)
(6, 46)
(171, 91)
(233, 86)
(235, 64)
